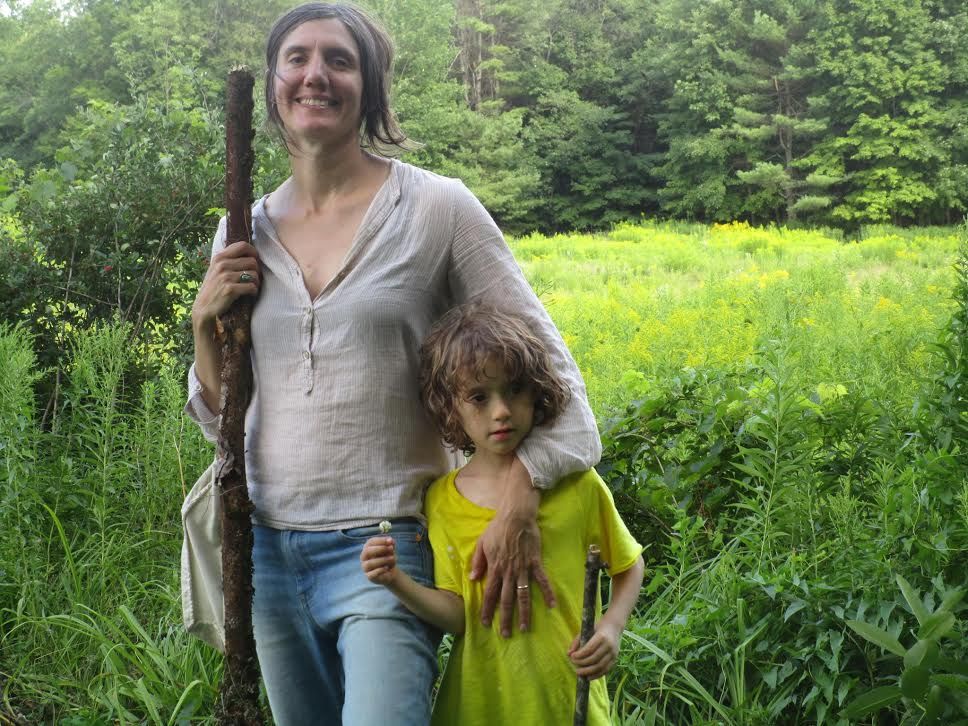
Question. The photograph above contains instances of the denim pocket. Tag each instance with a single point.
(414, 555)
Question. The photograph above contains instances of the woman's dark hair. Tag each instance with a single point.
(456, 352)
(379, 129)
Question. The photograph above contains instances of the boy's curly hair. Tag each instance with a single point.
(458, 348)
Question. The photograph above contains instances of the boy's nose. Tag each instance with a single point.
(501, 409)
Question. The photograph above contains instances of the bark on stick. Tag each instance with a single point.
(239, 693)
(593, 563)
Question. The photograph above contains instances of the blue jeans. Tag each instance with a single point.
(335, 648)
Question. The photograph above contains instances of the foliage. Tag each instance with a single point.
(571, 117)
(928, 691)
(778, 513)
(780, 480)
(89, 532)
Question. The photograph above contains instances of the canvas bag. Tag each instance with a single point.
(203, 610)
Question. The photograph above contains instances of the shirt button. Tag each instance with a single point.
(306, 354)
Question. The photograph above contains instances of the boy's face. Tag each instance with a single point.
(496, 413)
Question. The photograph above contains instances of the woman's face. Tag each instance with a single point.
(319, 82)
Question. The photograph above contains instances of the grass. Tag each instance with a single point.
(781, 429)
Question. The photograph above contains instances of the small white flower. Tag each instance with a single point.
(385, 527)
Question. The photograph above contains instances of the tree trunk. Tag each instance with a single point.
(593, 563)
(239, 693)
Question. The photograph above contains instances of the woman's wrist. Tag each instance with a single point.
(203, 328)
(521, 499)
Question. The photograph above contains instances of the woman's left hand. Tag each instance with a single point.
(509, 552)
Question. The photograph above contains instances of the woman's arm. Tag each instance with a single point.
(440, 608)
(483, 269)
(220, 288)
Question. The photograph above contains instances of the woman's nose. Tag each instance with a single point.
(315, 71)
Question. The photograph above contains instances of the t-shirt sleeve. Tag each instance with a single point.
(606, 528)
(484, 270)
(448, 573)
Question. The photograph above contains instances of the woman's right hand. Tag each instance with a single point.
(222, 285)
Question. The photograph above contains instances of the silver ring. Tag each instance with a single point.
(245, 277)
(523, 587)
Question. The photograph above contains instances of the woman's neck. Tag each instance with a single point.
(322, 175)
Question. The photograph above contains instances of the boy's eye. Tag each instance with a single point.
(476, 397)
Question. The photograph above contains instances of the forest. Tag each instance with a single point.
(747, 219)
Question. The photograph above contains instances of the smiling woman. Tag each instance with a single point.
(357, 51)
(353, 258)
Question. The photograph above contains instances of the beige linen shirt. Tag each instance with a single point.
(335, 434)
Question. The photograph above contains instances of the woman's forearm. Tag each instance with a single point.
(208, 363)
(440, 608)
(521, 499)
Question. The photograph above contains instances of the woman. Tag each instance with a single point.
(353, 258)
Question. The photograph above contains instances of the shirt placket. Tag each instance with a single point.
(306, 337)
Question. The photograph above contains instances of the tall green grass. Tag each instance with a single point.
(90, 540)
(783, 509)
(785, 429)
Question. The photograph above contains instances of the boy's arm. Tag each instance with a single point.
(598, 655)
(440, 608)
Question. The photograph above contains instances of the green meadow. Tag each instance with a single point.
(785, 421)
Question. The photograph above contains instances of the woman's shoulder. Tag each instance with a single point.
(429, 185)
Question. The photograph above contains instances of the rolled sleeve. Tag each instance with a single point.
(198, 411)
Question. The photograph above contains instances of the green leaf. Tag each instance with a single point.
(952, 599)
(873, 701)
(795, 607)
(937, 626)
(914, 682)
(953, 666)
(923, 653)
(952, 683)
(913, 600)
(877, 636)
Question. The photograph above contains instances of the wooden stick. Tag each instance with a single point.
(239, 693)
(593, 563)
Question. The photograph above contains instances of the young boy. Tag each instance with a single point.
(486, 381)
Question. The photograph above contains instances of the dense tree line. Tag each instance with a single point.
(560, 115)
(567, 114)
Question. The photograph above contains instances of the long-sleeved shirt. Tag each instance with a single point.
(336, 436)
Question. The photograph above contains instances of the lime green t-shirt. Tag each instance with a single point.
(527, 678)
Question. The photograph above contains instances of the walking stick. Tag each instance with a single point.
(593, 563)
(239, 692)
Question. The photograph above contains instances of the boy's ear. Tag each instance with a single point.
(539, 414)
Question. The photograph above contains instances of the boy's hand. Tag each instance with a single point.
(379, 560)
(598, 655)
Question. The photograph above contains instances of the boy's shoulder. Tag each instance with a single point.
(438, 491)
(589, 479)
